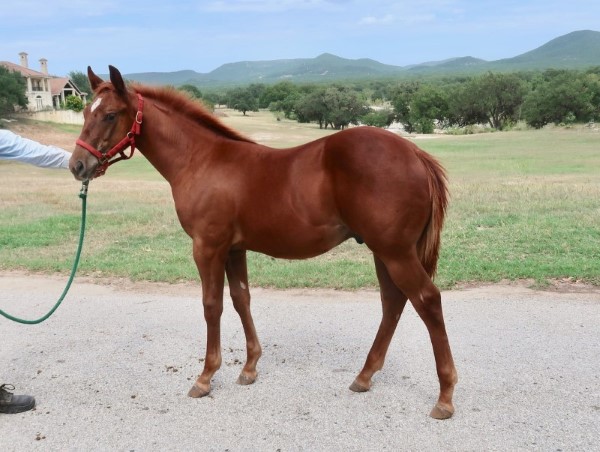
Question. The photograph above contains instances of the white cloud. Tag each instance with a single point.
(372, 20)
(35, 10)
(267, 5)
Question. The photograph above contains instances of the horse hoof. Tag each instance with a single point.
(439, 412)
(357, 387)
(245, 380)
(196, 391)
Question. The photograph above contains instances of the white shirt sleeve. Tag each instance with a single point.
(14, 147)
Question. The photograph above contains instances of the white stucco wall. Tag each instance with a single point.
(58, 116)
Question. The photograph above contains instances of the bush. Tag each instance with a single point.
(378, 118)
(74, 103)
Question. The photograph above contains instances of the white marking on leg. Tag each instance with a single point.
(96, 104)
(242, 285)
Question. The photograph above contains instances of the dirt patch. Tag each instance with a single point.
(43, 132)
(193, 288)
(562, 285)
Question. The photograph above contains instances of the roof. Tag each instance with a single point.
(57, 85)
(23, 70)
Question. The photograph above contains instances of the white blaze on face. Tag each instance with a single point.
(96, 104)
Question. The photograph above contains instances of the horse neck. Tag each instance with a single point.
(166, 142)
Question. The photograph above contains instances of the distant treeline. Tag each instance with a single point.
(498, 100)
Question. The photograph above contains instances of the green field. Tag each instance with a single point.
(525, 206)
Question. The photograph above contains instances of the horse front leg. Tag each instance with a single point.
(237, 275)
(211, 266)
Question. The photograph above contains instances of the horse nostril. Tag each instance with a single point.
(79, 167)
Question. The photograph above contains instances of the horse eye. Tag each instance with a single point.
(110, 117)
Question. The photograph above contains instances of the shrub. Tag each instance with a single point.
(74, 103)
(378, 118)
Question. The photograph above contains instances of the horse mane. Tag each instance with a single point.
(194, 110)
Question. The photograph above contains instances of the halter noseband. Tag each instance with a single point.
(104, 159)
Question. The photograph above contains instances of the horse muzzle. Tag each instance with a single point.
(84, 168)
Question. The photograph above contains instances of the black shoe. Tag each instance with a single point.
(11, 404)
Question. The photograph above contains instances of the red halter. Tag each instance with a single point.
(119, 148)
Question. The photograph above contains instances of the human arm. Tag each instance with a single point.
(15, 147)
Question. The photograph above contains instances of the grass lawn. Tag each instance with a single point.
(525, 205)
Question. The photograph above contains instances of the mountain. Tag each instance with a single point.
(163, 78)
(322, 68)
(461, 64)
(325, 66)
(579, 49)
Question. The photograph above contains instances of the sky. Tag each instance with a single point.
(172, 35)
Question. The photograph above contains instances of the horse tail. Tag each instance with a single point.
(428, 246)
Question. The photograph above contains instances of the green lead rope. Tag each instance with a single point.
(83, 196)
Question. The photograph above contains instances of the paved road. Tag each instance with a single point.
(112, 367)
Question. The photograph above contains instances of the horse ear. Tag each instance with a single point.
(94, 79)
(117, 80)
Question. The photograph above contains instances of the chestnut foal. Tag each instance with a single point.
(232, 195)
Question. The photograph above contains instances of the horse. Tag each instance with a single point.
(232, 195)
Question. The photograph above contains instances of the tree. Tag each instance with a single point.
(214, 97)
(378, 118)
(280, 96)
(286, 105)
(242, 99)
(402, 96)
(81, 81)
(256, 90)
(191, 90)
(429, 106)
(335, 106)
(463, 110)
(343, 107)
(592, 82)
(419, 107)
(563, 97)
(380, 91)
(12, 90)
(312, 107)
(492, 98)
(74, 103)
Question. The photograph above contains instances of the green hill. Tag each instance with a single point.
(164, 78)
(462, 64)
(323, 67)
(579, 49)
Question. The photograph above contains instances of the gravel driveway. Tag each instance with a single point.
(111, 370)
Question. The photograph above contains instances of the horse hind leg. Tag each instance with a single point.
(409, 276)
(237, 275)
(392, 302)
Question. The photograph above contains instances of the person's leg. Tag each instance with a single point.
(11, 404)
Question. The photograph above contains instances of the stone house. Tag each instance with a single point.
(44, 91)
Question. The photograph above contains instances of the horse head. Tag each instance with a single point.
(107, 128)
